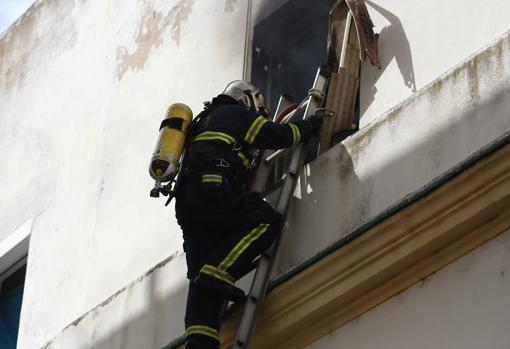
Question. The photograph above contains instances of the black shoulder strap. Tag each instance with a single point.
(201, 121)
(175, 123)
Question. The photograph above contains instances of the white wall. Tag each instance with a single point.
(84, 86)
(147, 313)
(421, 40)
(345, 188)
(463, 306)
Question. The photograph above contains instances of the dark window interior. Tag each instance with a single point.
(288, 47)
(11, 296)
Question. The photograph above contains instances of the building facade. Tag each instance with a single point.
(399, 236)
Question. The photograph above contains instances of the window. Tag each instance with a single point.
(12, 283)
(288, 47)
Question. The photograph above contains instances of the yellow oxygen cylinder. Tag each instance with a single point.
(172, 135)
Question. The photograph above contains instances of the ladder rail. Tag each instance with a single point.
(263, 272)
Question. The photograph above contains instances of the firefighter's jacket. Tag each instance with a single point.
(229, 132)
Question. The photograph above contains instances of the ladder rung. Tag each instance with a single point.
(302, 106)
(276, 155)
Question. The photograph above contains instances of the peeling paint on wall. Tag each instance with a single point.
(150, 35)
(24, 41)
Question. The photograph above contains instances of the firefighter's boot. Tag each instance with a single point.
(199, 343)
(227, 291)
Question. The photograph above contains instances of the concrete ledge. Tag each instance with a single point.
(416, 242)
(417, 141)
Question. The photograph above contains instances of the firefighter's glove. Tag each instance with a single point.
(316, 124)
(264, 112)
(318, 117)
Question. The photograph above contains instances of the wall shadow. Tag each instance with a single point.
(316, 204)
(393, 44)
(149, 324)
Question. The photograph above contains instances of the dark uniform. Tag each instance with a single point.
(224, 225)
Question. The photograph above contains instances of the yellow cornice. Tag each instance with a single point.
(421, 239)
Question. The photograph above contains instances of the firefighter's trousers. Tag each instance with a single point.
(223, 233)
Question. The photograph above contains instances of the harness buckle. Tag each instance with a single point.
(236, 146)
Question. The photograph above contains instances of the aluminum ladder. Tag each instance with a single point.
(260, 282)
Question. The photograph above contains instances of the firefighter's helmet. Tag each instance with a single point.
(246, 94)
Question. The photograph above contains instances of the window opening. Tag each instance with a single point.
(288, 47)
(12, 283)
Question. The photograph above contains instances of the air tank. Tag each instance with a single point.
(172, 136)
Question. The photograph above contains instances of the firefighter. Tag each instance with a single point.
(225, 226)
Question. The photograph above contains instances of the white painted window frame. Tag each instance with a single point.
(14, 250)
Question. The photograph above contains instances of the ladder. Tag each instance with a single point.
(260, 281)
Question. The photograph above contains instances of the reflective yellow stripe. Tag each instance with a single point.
(296, 134)
(241, 246)
(218, 274)
(207, 178)
(214, 136)
(244, 159)
(254, 129)
(212, 180)
(203, 330)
